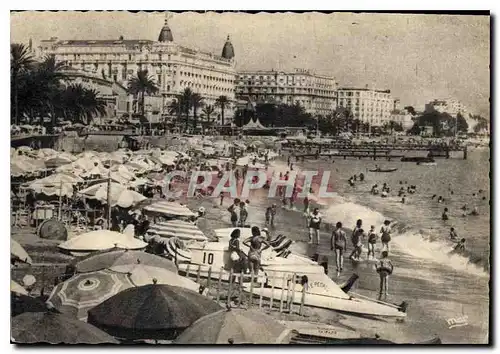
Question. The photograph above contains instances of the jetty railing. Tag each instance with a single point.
(242, 290)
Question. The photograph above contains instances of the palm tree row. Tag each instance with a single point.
(39, 89)
(189, 100)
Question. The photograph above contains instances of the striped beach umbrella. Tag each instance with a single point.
(183, 230)
(75, 296)
(169, 208)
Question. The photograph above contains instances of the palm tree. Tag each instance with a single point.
(185, 100)
(208, 111)
(82, 104)
(222, 102)
(196, 102)
(21, 61)
(142, 85)
(175, 108)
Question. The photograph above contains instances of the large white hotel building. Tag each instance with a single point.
(368, 105)
(172, 66)
(316, 93)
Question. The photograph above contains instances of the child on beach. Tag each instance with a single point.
(453, 234)
(339, 244)
(385, 230)
(243, 213)
(270, 214)
(384, 269)
(372, 240)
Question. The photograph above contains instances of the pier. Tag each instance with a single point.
(374, 151)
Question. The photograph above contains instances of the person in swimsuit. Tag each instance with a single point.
(238, 257)
(314, 225)
(385, 230)
(460, 247)
(372, 240)
(357, 233)
(339, 244)
(234, 215)
(384, 269)
(255, 243)
(243, 213)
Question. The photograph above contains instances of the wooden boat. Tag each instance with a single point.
(384, 170)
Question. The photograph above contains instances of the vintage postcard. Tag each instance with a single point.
(250, 177)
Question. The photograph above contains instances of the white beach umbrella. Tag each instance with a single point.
(101, 240)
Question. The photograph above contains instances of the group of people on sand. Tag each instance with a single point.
(383, 267)
(239, 212)
(353, 179)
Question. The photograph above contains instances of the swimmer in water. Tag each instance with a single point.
(453, 234)
(403, 200)
(460, 247)
(357, 233)
(434, 196)
(254, 244)
(444, 216)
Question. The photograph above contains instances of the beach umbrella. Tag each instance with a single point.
(183, 230)
(60, 183)
(141, 274)
(16, 171)
(18, 289)
(151, 312)
(122, 257)
(236, 326)
(24, 149)
(54, 328)
(99, 240)
(23, 303)
(18, 253)
(75, 296)
(169, 208)
(57, 161)
(46, 153)
(119, 194)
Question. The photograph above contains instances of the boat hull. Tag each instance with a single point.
(351, 305)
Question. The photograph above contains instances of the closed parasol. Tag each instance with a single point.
(51, 327)
(101, 240)
(122, 257)
(18, 253)
(151, 312)
(236, 326)
(75, 296)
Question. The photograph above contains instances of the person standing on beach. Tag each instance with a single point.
(357, 233)
(314, 225)
(234, 215)
(372, 240)
(384, 269)
(339, 244)
(386, 235)
(270, 214)
(243, 214)
(254, 244)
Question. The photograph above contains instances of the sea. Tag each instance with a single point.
(447, 293)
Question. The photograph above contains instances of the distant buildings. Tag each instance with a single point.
(316, 93)
(450, 106)
(171, 65)
(368, 105)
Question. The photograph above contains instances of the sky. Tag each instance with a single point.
(418, 57)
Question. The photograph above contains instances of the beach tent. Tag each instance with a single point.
(254, 125)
